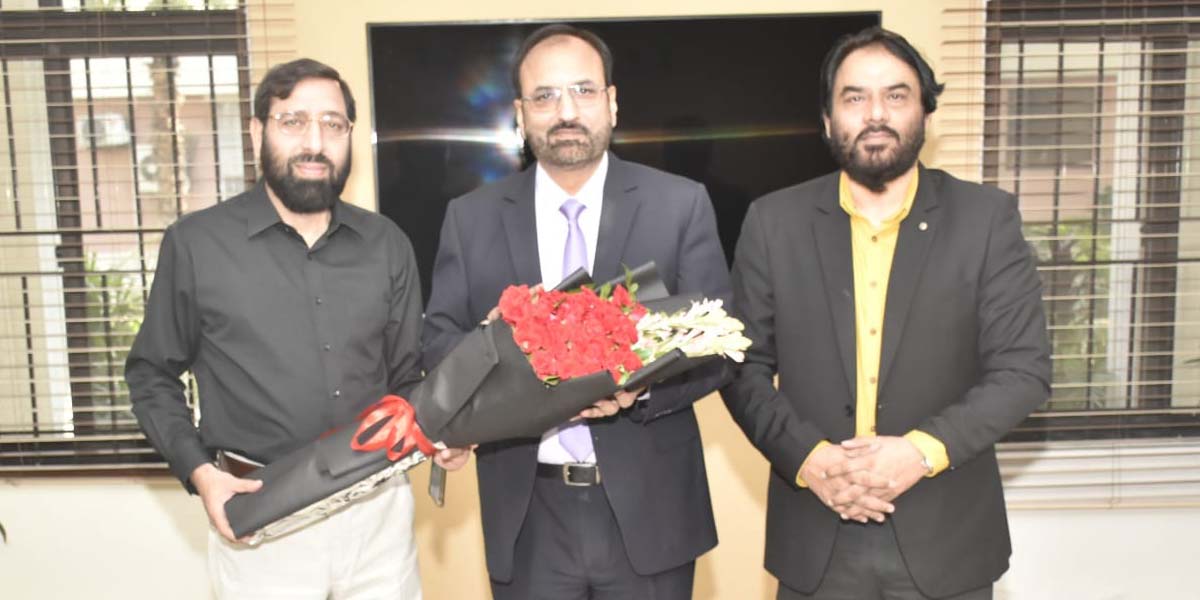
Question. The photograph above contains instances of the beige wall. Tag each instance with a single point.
(136, 538)
(450, 539)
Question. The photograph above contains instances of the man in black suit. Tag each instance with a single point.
(615, 505)
(881, 433)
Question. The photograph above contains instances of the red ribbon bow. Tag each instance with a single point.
(400, 434)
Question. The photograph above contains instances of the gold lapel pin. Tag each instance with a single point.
(923, 226)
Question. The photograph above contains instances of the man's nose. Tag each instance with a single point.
(567, 109)
(877, 112)
(313, 139)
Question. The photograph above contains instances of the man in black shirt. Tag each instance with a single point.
(294, 310)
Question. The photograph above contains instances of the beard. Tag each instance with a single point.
(574, 152)
(874, 167)
(303, 196)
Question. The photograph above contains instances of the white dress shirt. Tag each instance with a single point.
(552, 239)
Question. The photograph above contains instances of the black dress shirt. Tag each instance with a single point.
(285, 341)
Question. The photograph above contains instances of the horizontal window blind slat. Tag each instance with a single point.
(1088, 112)
(112, 124)
(1102, 473)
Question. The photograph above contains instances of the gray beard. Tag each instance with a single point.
(568, 154)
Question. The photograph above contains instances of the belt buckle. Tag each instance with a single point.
(567, 474)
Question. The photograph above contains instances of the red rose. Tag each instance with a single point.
(637, 312)
(514, 303)
(623, 299)
(544, 364)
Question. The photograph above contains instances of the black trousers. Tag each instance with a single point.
(867, 565)
(570, 548)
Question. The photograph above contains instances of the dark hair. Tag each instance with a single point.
(550, 31)
(893, 43)
(282, 79)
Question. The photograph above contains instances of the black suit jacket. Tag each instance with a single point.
(964, 358)
(650, 456)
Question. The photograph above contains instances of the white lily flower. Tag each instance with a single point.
(703, 329)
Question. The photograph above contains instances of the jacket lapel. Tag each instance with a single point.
(520, 226)
(917, 233)
(831, 230)
(621, 202)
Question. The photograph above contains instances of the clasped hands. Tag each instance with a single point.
(859, 478)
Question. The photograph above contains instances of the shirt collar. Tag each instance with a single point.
(548, 194)
(261, 213)
(846, 199)
(344, 214)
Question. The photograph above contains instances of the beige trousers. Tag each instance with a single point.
(362, 552)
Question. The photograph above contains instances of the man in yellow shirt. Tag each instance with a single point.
(901, 310)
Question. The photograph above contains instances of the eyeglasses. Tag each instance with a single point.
(296, 123)
(547, 98)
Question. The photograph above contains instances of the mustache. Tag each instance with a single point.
(877, 129)
(565, 126)
(311, 158)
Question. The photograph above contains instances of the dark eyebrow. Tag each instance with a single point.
(579, 82)
(857, 89)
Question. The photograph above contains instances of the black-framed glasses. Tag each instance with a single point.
(296, 123)
(547, 98)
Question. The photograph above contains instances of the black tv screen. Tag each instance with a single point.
(728, 101)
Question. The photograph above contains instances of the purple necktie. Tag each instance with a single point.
(575, 437)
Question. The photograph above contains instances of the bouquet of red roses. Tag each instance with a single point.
(568, 334)
(553, 354)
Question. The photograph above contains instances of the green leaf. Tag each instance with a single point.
(630, 286)
(605, 291)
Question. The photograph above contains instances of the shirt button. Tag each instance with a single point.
(874, 238)
(337, 393)
(319, 300)
(873, 284)
(326, 347)
(871, 379)
(872, 429)
(872, 332)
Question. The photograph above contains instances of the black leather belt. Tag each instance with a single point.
(236, 465)
(571, 473)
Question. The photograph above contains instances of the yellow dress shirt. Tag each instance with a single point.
(874, 246)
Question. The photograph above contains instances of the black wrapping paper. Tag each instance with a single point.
(483, 391)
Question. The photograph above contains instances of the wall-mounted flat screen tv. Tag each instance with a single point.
(728, 101)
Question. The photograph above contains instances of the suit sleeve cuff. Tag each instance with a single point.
(933, 450)
(800, 480)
